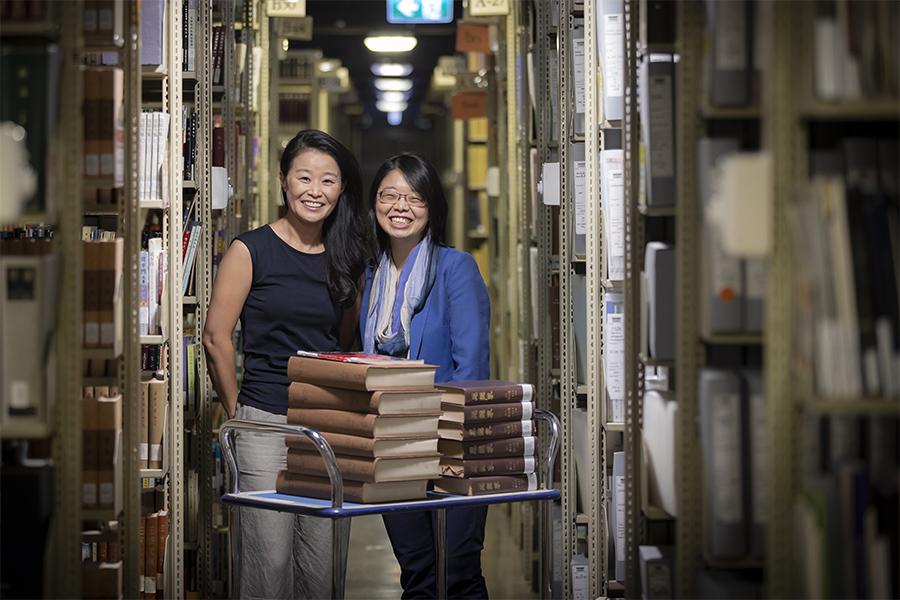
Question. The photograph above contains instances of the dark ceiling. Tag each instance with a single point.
(339, 28)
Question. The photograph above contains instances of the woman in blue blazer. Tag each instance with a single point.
(427, 301)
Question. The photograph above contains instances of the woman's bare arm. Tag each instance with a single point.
(230, 290)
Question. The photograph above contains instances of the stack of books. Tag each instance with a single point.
(380, 416)
(488, 442)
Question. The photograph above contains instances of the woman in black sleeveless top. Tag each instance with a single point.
(290, 283)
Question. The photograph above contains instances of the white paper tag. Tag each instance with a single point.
(527, 410)
(528, 446)
(613, 53)
(527, 392)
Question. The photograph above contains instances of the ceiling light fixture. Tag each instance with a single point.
(390, 43)
(393, 85)
(386, 106)
(391, 69)
(394, 118)
(393, 96)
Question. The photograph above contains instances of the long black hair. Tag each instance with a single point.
(423, 178)
(346, 231)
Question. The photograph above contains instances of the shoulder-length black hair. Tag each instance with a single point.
(346, 232)
(423, 178)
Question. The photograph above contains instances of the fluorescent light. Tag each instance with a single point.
(386, 106)
(395, 117)
(391, 69)
(390, 43)
(329, 65)
(393, 96)
(393, 85)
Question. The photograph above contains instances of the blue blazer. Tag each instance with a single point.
(452, 330)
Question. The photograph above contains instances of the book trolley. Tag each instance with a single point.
(341, 512)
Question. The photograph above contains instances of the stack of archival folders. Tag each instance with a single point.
(380, 417)
(488, 442)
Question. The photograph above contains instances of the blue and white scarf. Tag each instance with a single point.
(396, 297)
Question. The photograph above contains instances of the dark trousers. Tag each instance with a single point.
(412, 536)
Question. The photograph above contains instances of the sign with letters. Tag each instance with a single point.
(286, 8)
(295, 29)
(419, 11)
(488, 8)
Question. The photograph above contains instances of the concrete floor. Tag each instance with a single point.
(373, 572)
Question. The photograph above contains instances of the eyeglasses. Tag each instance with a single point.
(391, 197)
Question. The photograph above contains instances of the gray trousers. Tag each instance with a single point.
(278, 555)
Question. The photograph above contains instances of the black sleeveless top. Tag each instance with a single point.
(288, 309)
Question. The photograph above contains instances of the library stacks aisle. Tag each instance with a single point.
(685, 215)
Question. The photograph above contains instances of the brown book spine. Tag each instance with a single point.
(488, 431)
(516, 446)
(333, 420)
(346, 376)
(493, 392)
(491, 484)
(305, 395)
(493, 413)
(151, 539)
(348, 445)
(162, 534)
(353, 468)
(474, 467)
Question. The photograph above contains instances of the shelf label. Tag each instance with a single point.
(286, 8)
(295, 28)
(488, 8)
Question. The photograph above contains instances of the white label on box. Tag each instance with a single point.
(614, 357)
(155, 452)
(107, 494)
(727, 498)
(550, 184)
(579, 176)
(107, 334)
(614, 200)
(150, 585)
(106, 164)
(89, 494)
(662, 142)
(91, 334)
(578, 68)
(143, 451)
(580, 582)
(91, 164)
(613, 55)
(20, 395)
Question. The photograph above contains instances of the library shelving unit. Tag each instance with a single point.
(60, 418)
(795, 120)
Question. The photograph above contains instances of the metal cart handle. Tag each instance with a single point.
(230, 428)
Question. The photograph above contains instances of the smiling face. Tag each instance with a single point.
(312, 186)
(403, 219)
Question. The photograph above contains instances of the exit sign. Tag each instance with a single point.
(419, 11)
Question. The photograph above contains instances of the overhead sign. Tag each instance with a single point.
(295, 29)
(469, 105)
(488, 8)
(472, 37)
(286, 8)
(419, 11)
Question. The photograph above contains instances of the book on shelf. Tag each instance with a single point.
(354, 491)
(659, 434)
(475, 467)
(360, 358)
(656, 81)
(304, 395)
(610, 49)
(659, 267)
(368, 470)
(613, 360)
(369, 447)
(357, 376)
(488, 484)
(367, 425)
(578, 76)
(486, 391)
(504, 429)
(657, 563)
(158, 407)
(729, 59)
(617, 514)
(517, 446)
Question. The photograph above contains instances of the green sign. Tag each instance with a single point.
(419, 11)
